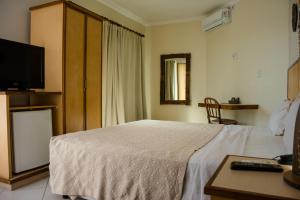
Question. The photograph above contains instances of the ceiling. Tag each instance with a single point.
(152, 12)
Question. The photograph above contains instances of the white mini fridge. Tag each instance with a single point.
(31, 132)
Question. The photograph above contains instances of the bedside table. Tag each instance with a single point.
(227, 184)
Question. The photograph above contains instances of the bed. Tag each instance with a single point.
(76, 159)
(238, 140)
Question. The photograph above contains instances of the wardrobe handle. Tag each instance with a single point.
(85, 85)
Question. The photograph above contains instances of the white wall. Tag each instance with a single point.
(178, 38)
(247, 58)
(15, 17)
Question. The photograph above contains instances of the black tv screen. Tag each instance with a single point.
(21, 66)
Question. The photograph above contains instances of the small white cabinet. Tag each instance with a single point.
(31, 132)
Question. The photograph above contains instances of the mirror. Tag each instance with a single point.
(175, 79)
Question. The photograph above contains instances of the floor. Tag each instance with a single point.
(39, 190)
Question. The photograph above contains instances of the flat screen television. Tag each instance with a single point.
(21, 66)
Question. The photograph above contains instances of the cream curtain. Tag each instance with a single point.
(171, 86)
(122, 69)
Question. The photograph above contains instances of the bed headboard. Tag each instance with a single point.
(294, 80)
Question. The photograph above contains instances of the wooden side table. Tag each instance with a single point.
(227, 184)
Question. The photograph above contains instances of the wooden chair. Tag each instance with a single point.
(214, 113)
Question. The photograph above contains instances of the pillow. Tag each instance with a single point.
(277, 119)
(290, 122)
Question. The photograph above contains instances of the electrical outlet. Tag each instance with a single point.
(235, 57)
(259, 73)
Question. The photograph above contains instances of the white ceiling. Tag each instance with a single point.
(152, 12)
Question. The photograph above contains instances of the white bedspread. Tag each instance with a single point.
(238, 140)
(139, 160)
(203, 163)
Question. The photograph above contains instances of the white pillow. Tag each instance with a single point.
(290, 123)
(277, 119)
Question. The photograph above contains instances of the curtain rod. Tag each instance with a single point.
(117, 24)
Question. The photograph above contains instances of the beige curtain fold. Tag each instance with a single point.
(171, 86)
(122, 68)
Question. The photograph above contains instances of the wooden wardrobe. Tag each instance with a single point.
(72, 39)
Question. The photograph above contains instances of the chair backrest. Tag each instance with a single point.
(213, 109)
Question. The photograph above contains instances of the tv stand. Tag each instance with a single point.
(16, 100)
(16, 90)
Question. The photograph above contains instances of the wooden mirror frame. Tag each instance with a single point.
(187, 100)
(295, 17)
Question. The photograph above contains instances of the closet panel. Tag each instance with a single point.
(74, 70)
(46, 30)
(93, 73)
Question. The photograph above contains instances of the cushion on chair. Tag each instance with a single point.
(215, 121)
(228, 121)
(225, 121)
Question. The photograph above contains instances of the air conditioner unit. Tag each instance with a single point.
(218, 18)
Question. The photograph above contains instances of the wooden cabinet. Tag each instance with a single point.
(17, 101)
(72, 39)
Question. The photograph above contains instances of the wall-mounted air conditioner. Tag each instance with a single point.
(218, 18)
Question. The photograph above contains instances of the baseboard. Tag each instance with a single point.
(21, 181)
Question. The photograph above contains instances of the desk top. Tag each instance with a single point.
(249, 184)
(228, 106)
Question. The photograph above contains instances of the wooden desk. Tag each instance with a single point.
(227, 106)
(227, 184)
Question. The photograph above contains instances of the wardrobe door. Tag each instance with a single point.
(93, 73)
(74, 71)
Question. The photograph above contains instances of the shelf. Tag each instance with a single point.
(45, 92)
(20, 108)
(27, 92)
(17, 92)
(228, 106)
